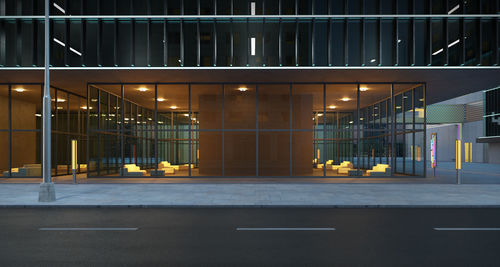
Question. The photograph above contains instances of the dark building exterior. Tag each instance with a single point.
(227, 88)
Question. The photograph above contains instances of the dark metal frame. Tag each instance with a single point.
(356, 128)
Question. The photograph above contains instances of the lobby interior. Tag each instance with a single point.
(221, 127)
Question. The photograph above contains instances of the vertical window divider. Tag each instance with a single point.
(198, 42)
(148, 42)
(257, 130)
(479, 42)
(3, 54)
(10, 130)
(329, 40)
(132, 46)
(296, 40)
(122, 128)
(115, 42)
(393, 131)
(413, 41)
(446, 41)
(324, 129)
(83, 43)
(214, 58)
(425, 128)
(358, 129)
(313, 39)
(280, 41)
(232, 39)
(346, 39)
(88, 129)
(291, 127)
(55, 126)
(189, 130)
(379, 28)
(19, 43)
(414, 132)
(263, 39)
(182, 41)
(429, 39)
(396, 35)
(223, 129)
(248, 42)
(156, 129)
(363, 46)
(34, 38)
(165, 42)
(99, 42)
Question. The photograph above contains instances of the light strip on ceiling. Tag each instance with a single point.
(453, 9)
(252, 46)
(64, 45)
(449, 45)
(59, 8)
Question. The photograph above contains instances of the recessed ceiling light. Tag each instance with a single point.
(143, 89)
(186, 115)
(332, 107)
(345, 99)
(373, 60)
(398, 107)
(361, 119)
(320, 114)
(20, 90)
(61, 100)
(242, 89)
(351, 122)
(59, 107)
(363, 89)
(161, 99)
(173, 107)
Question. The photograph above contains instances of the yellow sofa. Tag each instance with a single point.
(379, 170)
(344, 164)
(132, 170)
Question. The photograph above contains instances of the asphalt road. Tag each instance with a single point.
(249, 237)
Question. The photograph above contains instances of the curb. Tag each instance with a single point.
(431, 206)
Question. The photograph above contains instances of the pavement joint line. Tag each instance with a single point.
(285, 229)
(87, 229)
(466, 229)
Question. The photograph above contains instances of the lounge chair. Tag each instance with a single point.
(380, 170)
(132, 170)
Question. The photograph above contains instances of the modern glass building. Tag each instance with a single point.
(237, 88)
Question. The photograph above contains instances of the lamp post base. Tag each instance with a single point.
(47, 192)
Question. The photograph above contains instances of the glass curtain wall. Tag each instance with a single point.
(20, 129)
(436, 40)
(256, 130)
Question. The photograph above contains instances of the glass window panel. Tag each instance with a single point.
(61, 105)
(255, 40)
(354, 42)
(454, 45)
(158, 7)
(321, 43)
(305, 7)
(173, 151)
(304, 156)
(288, 42)
(371, 43)
(224, 7)
(304, 43)
(124, 43)
(206, 153)
(75, 50)
(26, 154)
(287, 7)
(206, 43)
(371, 7)
(190, 33)
(354, 7)
(274, 153)
(124, 8)
(156, 44)
(58, 47)
(140, 42)
(239, 106)
(25, 105)
(471, 40)
(388, 42)
(173, 107)
(240, 43)
(307, 104)
(27, 28)
(421, 42)
(274, 106)
(174, 43)
(174, 7)
(206, 106)
(271, 8)
(4, 108)
(320, 7)
(91, 43)
(239, 153)
(488, 42)
(338, 7)
(207, 7)
(223, 28)
(438, 58)
(4, 157)
(190, 7)
(108, 43)
(338, 43)
(404, 45)
(271, 43)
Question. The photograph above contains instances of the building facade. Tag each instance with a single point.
(227, 88)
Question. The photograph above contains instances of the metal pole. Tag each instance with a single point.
(47, 191)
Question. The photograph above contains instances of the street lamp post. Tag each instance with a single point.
(47, 191)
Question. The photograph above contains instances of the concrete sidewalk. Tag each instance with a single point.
(255, 195)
